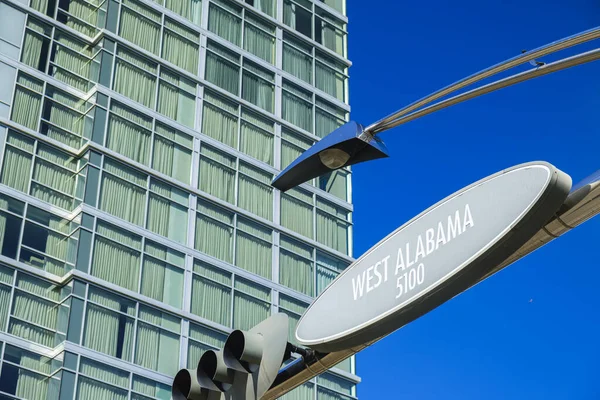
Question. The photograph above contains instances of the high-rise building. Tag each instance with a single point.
(138, 140)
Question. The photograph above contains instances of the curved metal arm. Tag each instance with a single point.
(553, 47)
(559, 65)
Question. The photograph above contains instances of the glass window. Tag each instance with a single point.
(162, 274)
(292, 146)
(254, 248)
(328, 118)
(109, 324)
(336, 383)
(256, 137)
(294, 310)
(259, 37)
(220, 118)
(135, 78)
(211, 294)
(181, 46)
(297, 58)
(251, 304)
(296, 269)
(35, 311)
(172, 153)
(189, 9)
(140, 25)
(129, 133)
(80, 15)
(338, 5)
(255, 191)
(330, 32)
(10, 230)
(36, 44)
(157, 341)
(214, 231)
(217, 173)
(298, 15)
(328, 268)
(202, 339)
(27, 101)
(306, 391)
(258, 86)
(48, 243)
(330, 77)
(332, 226)
(296, 106)
(177, 98)
(53, 177)
(224, 19)
(297, 212)
(266, 6)
(150, 388)
(23, 383)
(167, 211)
(117, 255)
(123, 192)
(99, 381)
(335, 182)
(222, 67)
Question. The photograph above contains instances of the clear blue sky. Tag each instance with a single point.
(490, 342)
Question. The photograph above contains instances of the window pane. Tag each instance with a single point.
(211, 294)
(328, 269)
(26, 106)
(23, 383)
(222, 73)
(332, 229)
(248, 309)
(292, 146)
(140, 25)
(254, 253)
(108, 332)
(255, 191)
(256, 89)
(173, 101)
(224, 23)
(296, 266)
(120, 197)
(162, 282)
(217, 174)
(330, 81)
(254, 141)
(296, 214)
(180, 46)
(336, 183)
(172, 153)
(17, 168)
(220, 120)
(128, 138)
(214, 236)
(297, 17)
(296, 62)
(157, 349)
(297, 111)
(133, 80)
(259, 42)
(190, 9)
(116, 263)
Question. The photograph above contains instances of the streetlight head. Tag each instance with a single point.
(347, 145)
(334, 158)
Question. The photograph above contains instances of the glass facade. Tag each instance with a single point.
(138, 227)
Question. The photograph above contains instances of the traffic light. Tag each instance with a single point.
(244, 370)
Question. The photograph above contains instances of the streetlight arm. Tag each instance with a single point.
(559, 65)
(553, 47)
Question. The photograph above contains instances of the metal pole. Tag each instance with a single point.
(582, 204)
(553, 47)
(565, 63)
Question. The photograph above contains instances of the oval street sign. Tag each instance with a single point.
(435, 256)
